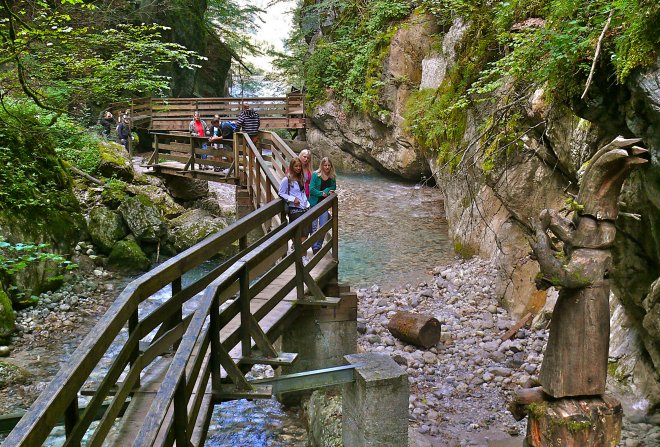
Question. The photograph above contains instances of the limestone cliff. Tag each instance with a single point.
(381, 141)
(488, 209)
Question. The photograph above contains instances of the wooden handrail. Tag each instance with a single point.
(37, 423)
(176, 373)
(199, 353)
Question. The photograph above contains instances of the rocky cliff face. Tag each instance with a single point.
(380, 141)
(187, 29)
(488, 211)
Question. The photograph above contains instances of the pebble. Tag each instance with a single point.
(462, 384)
(5, 351)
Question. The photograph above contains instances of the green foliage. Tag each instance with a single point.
(65, 54)
(348, 58)
(16, 258)
(32, 175)
(514, 45)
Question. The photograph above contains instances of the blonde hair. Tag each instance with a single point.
(306, 152)
(319, 171)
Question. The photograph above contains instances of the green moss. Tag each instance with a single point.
(537, 409)
(114, 193)
(463, 250)
(109, 153)
(127, 255)
(614, 372)
(573, 425)
(7, 317)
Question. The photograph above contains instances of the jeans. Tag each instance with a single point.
(316, 224)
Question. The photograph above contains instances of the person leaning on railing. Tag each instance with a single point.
(199, 128)
(249, 121)
(323, 183)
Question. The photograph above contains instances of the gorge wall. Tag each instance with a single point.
(488, 210)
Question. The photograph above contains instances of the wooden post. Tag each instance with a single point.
(335, 229)
(178, 315)
(244, 296)
(237, 170)
(250, 181)
(71, 419)
(214, 331)
(192, 152)
(297, 245)
(156, 148)
(133, 323)
(181, 414)
(257, 176)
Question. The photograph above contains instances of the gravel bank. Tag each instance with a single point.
(459, 389)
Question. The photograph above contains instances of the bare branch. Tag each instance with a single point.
(593, 64)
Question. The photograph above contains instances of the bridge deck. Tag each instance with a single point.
(142, 398)
(248, 299)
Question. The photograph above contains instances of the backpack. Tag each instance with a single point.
(227, 130)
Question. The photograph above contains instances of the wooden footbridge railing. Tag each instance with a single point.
(168, 367)
(230, 161)
(174, 114)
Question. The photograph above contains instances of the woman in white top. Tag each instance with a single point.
(292, 189)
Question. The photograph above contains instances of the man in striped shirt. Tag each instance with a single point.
(249, 121)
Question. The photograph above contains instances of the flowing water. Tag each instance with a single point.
(391, 233)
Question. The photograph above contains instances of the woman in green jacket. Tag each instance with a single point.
(322, 184)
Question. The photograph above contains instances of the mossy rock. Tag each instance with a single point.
(115, 162)
(165, 203)
(60, 229)
(127, 255)
(193, 227)
(7, 317)
(11, 373)
(106, 227)
(143, 218)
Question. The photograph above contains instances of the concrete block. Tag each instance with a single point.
(375, 406)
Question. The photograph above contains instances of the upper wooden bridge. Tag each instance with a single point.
(167, 114)
(168, 368)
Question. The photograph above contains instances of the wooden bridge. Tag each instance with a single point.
(168, 368)
(172, 114)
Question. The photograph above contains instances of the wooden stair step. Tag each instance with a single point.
(232, 392)
(311, 301)
(283, 359)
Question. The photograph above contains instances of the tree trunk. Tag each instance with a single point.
(420, 330)
(584, 422)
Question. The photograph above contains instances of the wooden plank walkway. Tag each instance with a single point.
(248, 300)
(142, 398)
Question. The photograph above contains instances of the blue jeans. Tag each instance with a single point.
(316, 224)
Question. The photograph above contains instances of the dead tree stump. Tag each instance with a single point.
(583, 422)
(418, 329)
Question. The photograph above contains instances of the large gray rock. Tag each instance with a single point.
(193, 227)
(381, 141)
(186, 189)
(105, 228)
(159, 196)
(115, 162)
(7, 317)
(143, 218)
(128, 256)
(435, 65)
